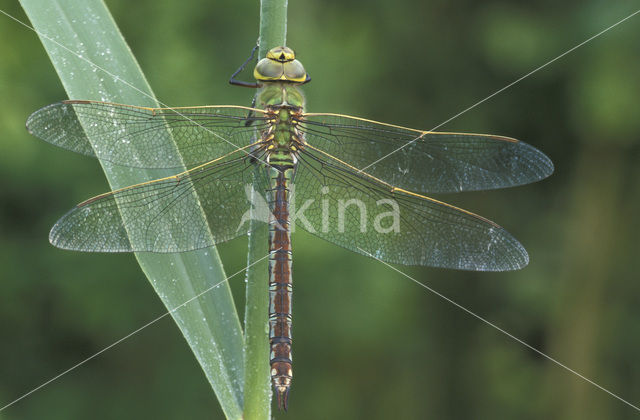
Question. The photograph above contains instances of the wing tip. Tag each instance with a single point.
(63, 236)
(550, 166)
(540, 160)
(55, 237)
(518, 258)
(33, 116)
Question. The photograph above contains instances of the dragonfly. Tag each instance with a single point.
(355, 182)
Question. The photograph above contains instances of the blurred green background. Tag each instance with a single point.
(369, 343)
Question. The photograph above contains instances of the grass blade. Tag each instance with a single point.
(273, 33)
(210, 324)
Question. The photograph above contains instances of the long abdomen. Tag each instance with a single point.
(280, 288)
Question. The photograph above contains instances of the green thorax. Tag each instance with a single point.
(280, 94)
(283, 135)
(279, 76)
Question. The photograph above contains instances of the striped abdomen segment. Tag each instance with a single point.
(280, 288)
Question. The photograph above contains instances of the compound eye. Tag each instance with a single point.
(268, 69)
(294, 71)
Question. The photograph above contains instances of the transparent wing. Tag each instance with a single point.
(368, 216)
(163, 215)
(432, 162)
(138, 137)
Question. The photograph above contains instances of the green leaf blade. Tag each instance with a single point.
(273, 33)
(209, 323)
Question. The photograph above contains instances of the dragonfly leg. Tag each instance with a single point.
(236, 82)
(250, 115)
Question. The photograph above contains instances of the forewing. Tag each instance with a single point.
(359, 213)
(163, 215)
(429, 162)
(139, 137)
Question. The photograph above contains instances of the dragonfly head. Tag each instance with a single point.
(280, 65)
(281, 54)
